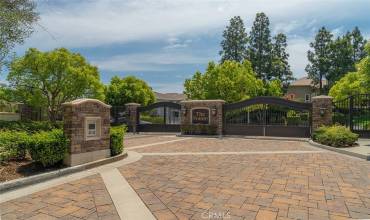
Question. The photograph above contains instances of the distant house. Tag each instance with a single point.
(172, 115)
(303, 90)
(169, 97)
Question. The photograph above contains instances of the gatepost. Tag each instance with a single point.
(86, 125)
(133, 115)
(202, 117)
(322, 111)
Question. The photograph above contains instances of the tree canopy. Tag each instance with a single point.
(319, 58)
(16, 20)
(234, 44)
(48, 79)
(260, 47)
(121, 91)
(231, 81)
(354, 82)
(280, 68)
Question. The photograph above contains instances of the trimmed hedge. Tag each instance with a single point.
(336, 136)
(13, 145)
(199, 129)
(48, 148)
(30, 126)
(116, 139)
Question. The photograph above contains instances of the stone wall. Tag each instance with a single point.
(131, 108)
(83, 149)
(215, 107)
(322, 111)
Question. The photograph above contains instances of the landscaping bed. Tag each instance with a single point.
(30, 148)
(14, 169)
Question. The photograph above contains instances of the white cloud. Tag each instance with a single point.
(94, 23)
(297, 48)
(99, 22)
(160, 61)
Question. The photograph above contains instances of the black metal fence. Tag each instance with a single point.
(354, 113)
(267, 116)
(159, 117)
(118, 115)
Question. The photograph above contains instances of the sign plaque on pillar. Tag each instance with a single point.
(200, 116)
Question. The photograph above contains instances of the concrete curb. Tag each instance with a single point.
(17, 183)
(338, 150)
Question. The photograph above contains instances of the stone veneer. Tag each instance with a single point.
(132, 116)
(215, 120)
(82, 150)
(322, 103)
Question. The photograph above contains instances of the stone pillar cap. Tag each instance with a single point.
(322, 97)
(80, 101)
(133, 104)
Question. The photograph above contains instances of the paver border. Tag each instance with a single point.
(338, 150)
(21, 182)
(247, 137)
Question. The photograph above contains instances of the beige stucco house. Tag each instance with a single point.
(303, 90)
(172, 115)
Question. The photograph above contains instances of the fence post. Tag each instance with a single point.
(350, 113)
(322, 111)
(86, 125)
(133, 116)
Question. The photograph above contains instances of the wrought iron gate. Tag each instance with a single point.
(159, 117)
(354, 113)
(268, 116)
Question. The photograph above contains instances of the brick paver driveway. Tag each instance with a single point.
(268, 180)
(209, 178)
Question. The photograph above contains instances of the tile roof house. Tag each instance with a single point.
(169, 97)
(172, 115)
(303, 90)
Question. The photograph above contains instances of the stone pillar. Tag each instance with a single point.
(86, 125)
(321, 111)
(205, 108)
(132, 116)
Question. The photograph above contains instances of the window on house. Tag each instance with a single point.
(307, 98)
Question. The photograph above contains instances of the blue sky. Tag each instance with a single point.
(166, 41)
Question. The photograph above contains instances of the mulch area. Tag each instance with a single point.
(15, 169)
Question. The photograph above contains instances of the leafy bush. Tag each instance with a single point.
(152, 119)
(48, 148)
(30, 126)
(336, 136)
(199, 129)
(13, 145)
(116, 139)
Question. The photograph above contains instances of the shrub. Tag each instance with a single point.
(336, 136)
(30, 126)
(116, 139)
(12, 145)
(199, 129)
(48, 147)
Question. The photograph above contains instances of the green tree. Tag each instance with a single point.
(16, 20)
(280, 67)
(259, 49)
(354, 82)
(234, 44)
(48, 79)
(121, 91)
(340, 59)
(231, 81)
(274, 88)
(358, 43)
(319, 58)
